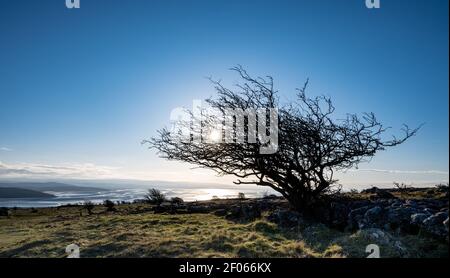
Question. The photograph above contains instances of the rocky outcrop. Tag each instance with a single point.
(379, 193)
(243, 212)
(380, 210)
(427, 216)
(237, 210)
(393, 215)
(435, 225)
(286, 218)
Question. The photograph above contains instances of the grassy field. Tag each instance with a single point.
(132, 231)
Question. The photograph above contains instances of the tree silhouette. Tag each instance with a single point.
(312, 145)
(155, 197)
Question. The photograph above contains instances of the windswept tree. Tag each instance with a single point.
(155, 197)
(312, 144)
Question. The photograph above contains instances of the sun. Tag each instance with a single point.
(215, 136)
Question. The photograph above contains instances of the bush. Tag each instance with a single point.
(176, 201)
(442, 186)
(402, 188)
(241, 196)
(155, 197)
(109, 205)
(89, 206)
(4, 212)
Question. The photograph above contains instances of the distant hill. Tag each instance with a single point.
(13, 192)
(50, 186)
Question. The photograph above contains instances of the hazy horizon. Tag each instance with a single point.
(131, 190)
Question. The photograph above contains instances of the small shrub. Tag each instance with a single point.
(401, 187)
(89, 206)
(176, 201)
(241, 196)
(4, 212)
(110, 205)
(442, 186)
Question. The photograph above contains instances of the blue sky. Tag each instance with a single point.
(80, 88)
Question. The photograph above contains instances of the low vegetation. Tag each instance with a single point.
(109, 205)
(134, 230)
(88, 206)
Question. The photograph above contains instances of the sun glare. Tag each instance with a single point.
(215, 136)
(211, 193)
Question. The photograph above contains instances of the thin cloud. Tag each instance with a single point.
(438, 172)
(74, 170)
(89, 171)
(5, 149)
(101, 172)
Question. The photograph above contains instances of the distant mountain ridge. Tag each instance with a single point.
(13, 192)
(50, 186)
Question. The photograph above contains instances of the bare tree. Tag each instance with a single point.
(312, 145)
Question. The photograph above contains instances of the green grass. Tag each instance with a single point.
(133, 232)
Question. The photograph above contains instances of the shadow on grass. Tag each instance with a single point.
(104, 250)
(22, 250)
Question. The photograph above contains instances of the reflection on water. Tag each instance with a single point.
(129, 195)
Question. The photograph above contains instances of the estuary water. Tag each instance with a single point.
(131, 194)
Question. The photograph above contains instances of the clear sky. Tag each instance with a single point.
(80, 88)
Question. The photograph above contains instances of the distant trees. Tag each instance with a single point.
(241, 196)
(155, 197)
(312, 143)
